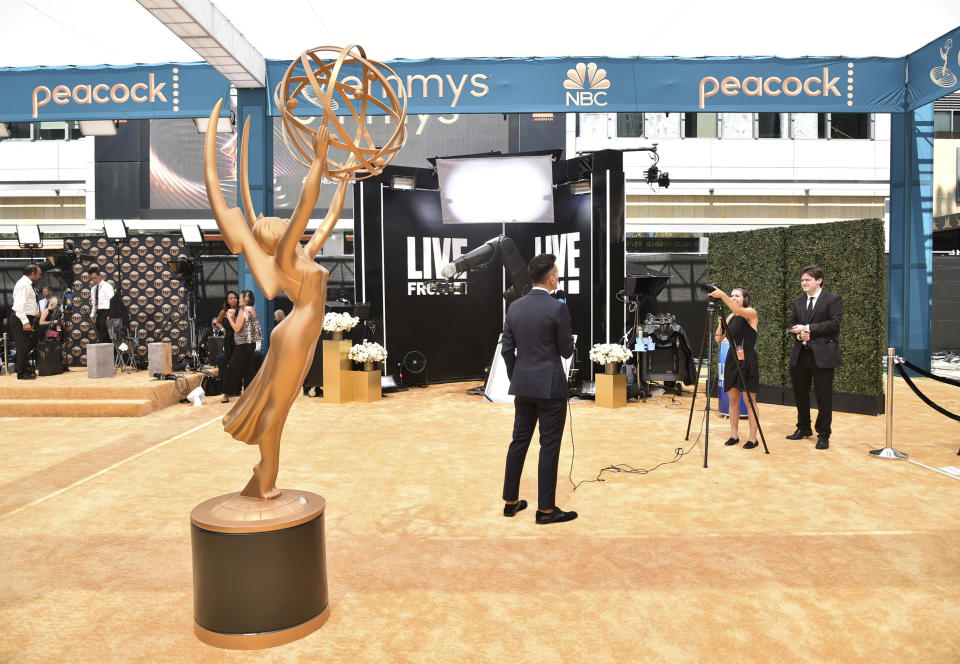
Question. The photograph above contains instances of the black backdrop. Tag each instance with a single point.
(401, 243)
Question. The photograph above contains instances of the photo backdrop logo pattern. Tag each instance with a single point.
(138, 269)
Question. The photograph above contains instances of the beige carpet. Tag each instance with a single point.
(797, 556)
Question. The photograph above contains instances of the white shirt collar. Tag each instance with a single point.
(540, 288)
(816, 295)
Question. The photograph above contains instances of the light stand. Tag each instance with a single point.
(188, 271)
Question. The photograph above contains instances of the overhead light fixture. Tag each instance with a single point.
(224, 125)
(579, 188)
(403, 183)
(115, 229)
(191, 234)
(29, 237)
(4, 130)
(98, 127)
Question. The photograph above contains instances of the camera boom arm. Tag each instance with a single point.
(484, 255)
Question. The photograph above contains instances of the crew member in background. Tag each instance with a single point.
(100, 296)
(536, 334)
(25, 311)
(45, 294)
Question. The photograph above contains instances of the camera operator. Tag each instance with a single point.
(100, 296)
(742, 326)
(25, 310)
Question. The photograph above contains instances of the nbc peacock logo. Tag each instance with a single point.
(585, 84)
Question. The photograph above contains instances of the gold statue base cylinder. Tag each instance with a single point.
(611, 390)
(337, 382)
(259, 569)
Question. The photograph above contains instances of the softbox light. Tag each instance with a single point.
(510, 189)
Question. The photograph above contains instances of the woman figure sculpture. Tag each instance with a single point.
(271, 246)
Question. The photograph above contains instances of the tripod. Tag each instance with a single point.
(712, 307)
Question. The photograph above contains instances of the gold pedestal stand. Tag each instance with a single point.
(366, 385)
(337, 370)
(611, 390)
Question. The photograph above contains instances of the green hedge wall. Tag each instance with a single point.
(767, 263)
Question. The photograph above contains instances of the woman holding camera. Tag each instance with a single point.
(741, 332)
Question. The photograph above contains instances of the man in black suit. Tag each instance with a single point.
(815, 321)
(536, 334)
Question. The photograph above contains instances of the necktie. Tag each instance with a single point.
(96, 296)
(809, 308)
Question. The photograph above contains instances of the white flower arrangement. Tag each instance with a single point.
(368, 351)
(609, 353)
(337, 322)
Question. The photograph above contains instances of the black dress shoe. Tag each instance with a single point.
(26, 377)
(798, 434)
(750, 444)
(823, 442)
(511, 509)
(556, 516)
(732, 441)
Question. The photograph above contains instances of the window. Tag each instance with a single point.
(700, 125)
(946, 124)
(629, 124)
(850, 125)
(768, 125)
(592, 125)
(18, 129)
(662, 125)
(736, 125)
(52, 131)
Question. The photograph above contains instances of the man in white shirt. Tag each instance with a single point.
(100, 295)
(25, 311)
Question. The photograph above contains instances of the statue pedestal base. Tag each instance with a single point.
(611, 390)
(337, 382)
(259, 569)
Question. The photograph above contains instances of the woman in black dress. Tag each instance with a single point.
(230, 301)
(742, 334)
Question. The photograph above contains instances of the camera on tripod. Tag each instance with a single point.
(709, 287)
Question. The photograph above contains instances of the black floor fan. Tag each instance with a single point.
(413, 369)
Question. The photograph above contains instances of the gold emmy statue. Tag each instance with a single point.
(279, 262)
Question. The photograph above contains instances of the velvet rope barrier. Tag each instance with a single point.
(927, 374)
(923, 397)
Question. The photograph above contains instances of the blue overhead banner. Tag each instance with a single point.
(934, 70)
(527, 85)
(169, 90)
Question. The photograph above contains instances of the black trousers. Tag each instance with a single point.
(25, 342)
(102, 325)
(551, 414)
(240, 367)
(801, 376)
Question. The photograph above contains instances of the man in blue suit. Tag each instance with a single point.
(536, 334)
